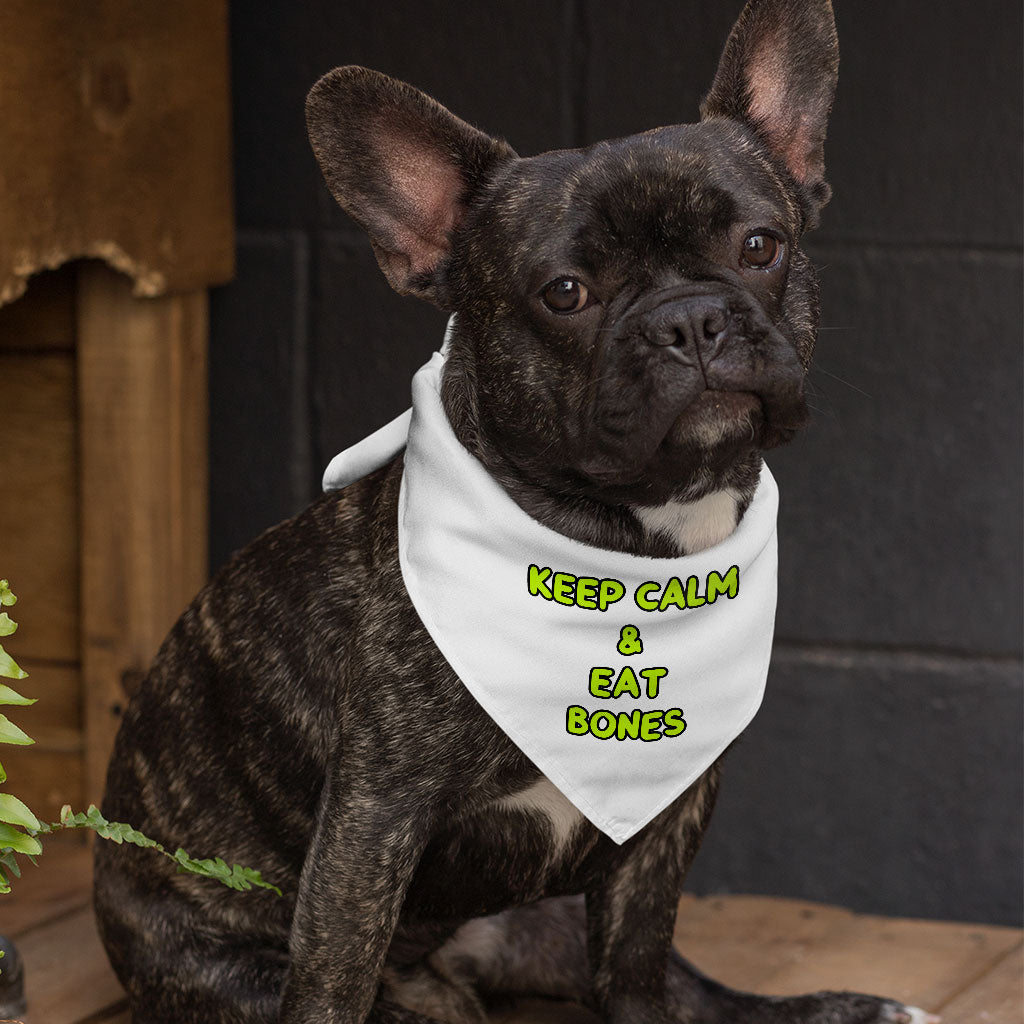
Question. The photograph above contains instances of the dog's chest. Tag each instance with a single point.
(692, 526)
(517, 849)
(550, 808)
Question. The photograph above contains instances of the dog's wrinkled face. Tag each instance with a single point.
(644, 313)
(634, 319)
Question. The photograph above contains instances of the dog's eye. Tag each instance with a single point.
(566, 295)
(761, 250)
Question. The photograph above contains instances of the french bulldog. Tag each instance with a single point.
(634, 324)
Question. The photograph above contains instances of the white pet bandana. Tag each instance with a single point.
(621, 677)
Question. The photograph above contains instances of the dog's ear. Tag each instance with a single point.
(778, 74)
(402, 166)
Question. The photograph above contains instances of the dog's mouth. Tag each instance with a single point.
(717, 425)
(715, 416)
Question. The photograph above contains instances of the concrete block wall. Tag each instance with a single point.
(884, 771)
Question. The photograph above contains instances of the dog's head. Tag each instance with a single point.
(634, 319)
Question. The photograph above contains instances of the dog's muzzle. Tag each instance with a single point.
(693, 329)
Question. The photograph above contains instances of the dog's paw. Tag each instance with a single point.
(837, 1008)
(849, 1008)
(911, 1015)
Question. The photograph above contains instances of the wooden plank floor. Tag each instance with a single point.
(970, 974)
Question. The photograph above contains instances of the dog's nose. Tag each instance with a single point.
(694, 327)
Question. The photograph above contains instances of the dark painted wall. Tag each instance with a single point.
(884, 771)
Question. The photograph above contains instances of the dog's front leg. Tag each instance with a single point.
(366, 846)
(631, 912)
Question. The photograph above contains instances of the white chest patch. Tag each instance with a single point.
(693, 525)
(543, 798)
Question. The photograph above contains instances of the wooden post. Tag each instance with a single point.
(115, 143)
(142, 392)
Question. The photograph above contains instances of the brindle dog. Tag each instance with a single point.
(635, 322)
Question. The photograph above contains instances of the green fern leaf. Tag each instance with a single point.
(10, 733)
(14, 811)
(10, 863)
(9, 696)
(9, 667)
(15, 839)
(7, 624)
(234, 876)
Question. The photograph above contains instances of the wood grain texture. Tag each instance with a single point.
(39, 549)
(115, 141)
(784, 947)
(751, 937)
(45, 779)
(921, 963)
(39, 541)
(995, 997)
(57, 689)
(142, 395)
(67, 977)
(57, 886)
